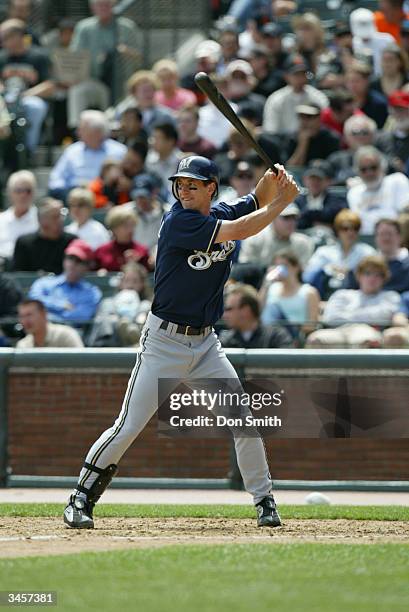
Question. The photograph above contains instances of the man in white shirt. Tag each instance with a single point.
(81, 162)
(366, 38)
(280, 116)
(376, 196)
(21, 217)
(81, 203)
(280, 234)
(40, 332)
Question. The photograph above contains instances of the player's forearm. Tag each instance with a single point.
(251, 224)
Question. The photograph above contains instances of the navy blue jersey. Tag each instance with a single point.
(191, 269)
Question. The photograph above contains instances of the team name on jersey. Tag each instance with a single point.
(199, 260)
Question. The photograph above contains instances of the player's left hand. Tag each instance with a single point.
(274, 185)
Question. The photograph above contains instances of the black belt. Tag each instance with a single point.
(186, 330)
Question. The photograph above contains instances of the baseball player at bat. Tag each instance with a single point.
(195, 247)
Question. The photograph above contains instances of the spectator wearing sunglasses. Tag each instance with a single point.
(359, 130)
(330, 264)
(376, 195)
(21, 216)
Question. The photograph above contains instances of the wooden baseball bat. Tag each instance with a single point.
(205, 83)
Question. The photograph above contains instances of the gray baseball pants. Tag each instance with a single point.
(167, 354)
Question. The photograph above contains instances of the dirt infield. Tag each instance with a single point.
(48, 536)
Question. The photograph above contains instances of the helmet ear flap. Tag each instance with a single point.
(174, 190)
(216, 191)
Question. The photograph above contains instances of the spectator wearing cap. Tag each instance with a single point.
(330, 264)
(21, 216)
(366, 38)
(280, 108)
(189, 139)
(370, 102)
(390, 17)
(312, 141)
(122, 248)
(359, 131)
(81, 205)
(68, 297)
(280, 234)
(242, 182)
(164, 154)
(149, 211)
(376, 195)
(43, 250)
(272, 35)
(268, 78)
(317, 205)
(342, 38)
(41, 333)
(241, 82)
(207, 55)
(82, 161)
(170, 94)
(395, 143)
(242, 316)
(394, 70)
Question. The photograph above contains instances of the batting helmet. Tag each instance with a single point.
(196, 167)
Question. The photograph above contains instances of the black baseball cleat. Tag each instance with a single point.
(267, 513)
(78, 513)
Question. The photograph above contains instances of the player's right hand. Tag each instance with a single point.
(289, 189)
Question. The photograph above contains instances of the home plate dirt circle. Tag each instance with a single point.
(27, 536)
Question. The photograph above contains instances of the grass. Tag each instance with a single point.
(384, 513)
(236, 578)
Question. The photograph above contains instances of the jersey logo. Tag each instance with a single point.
(200, 260)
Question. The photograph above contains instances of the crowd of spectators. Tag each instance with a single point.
(329, 100)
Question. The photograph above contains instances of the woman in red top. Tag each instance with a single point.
(122, 249)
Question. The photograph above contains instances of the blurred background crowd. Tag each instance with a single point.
(97, 106)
